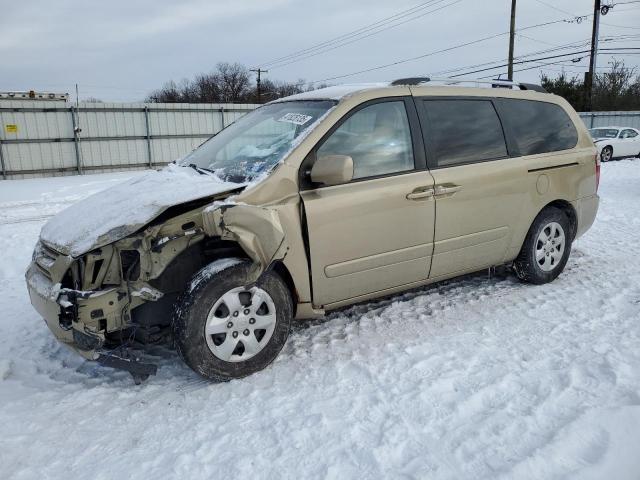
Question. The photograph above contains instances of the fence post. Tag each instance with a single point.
(148, 130)
(591, 120)
(76, 139)
(4, 170)
(222, 117)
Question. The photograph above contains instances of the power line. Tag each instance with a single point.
(455, 47)
(538, 65)
(573, 45)
(520, 62)
(554, 7)
(358, 38)
(549, 58)
(353, 32)
(350, 37)
(536, 40)
(619, 26)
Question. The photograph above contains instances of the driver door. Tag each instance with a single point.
(375, 233)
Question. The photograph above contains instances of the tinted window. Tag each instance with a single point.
(377, 138)
(463, 131)
(538, 127)
(628, 134)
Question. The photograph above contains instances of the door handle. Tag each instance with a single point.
(441, 190)
(421, 193)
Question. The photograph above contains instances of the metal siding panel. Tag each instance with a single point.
(604, 119)
(107, 123)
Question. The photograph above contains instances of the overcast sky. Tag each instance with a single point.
(121, 50)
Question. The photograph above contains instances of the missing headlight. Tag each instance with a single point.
(130, 261)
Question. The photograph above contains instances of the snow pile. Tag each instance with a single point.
(123, 209)
(479, 377)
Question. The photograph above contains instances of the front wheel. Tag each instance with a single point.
(546, 248)
(225, 328)
(606, 154)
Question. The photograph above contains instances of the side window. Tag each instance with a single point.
(538, 127)
(464, 131)
(377, 138)
(628, 134)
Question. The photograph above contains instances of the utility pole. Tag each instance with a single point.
(259, 71)
(512, 37)
(594, 55)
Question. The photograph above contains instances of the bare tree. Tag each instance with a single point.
(207, 88)
(227, 83)
(167, 94)
(234, 82)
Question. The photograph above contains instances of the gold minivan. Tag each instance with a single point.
(311, 203)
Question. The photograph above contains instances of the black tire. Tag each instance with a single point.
(526, 266)
(192, 310)
(609, 154)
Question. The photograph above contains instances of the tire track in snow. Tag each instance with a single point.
(37, 218)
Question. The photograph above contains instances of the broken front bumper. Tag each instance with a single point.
(74, 317)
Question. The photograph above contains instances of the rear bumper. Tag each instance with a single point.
(586, 210)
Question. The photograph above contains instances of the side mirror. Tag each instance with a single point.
(332, 170)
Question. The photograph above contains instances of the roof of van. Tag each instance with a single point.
(338, 92)
(335, 92)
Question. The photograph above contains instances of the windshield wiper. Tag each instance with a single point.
(200, 170)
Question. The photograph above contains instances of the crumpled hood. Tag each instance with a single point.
(121, 210)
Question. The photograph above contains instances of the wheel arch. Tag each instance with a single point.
(568, 210)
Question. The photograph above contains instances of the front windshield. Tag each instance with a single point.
(603, 132)
(256, 142)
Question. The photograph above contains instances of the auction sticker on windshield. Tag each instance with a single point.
(295, 118)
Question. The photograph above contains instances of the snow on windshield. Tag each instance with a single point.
(258, 141)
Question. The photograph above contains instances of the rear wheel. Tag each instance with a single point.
(226, 329)
(546, 248)
(606, 154)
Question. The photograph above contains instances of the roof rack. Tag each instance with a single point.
(456, 81)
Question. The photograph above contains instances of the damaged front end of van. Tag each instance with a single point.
(107, 272)
(121, 291)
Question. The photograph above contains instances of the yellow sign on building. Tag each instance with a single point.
(11, 128)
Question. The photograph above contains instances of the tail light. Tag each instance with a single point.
(597, 162)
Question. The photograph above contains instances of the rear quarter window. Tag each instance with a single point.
(538, 127)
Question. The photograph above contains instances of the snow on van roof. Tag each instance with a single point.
(335, 92)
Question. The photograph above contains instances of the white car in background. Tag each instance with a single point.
(616, 142)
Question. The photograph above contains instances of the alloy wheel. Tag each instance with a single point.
(550, 246)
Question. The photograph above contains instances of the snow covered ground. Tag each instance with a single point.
(472, 378)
